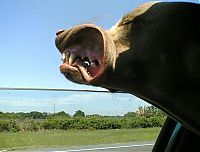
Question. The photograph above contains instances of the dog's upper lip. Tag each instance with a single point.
(66, 42)
(67, 38)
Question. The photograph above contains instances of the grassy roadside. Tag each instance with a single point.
(58, 138)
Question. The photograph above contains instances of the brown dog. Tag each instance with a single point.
(152, 52)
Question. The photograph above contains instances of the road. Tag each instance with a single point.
(126, 147)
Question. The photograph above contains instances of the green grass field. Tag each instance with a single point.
(58, 138)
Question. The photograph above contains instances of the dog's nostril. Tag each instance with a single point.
(59, 32)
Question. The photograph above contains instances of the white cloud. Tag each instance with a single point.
(90, 103)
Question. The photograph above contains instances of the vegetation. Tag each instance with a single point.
(35, 129)
(145, 117)
(58, 138)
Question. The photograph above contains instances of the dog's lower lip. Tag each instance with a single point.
(89, 66)
(78, 67)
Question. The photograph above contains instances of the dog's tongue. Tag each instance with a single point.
(93, 70)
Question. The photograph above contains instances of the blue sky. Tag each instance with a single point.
(28, 56)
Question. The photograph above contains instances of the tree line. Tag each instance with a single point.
(144, 117)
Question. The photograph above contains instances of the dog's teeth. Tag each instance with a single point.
(63, 56)
(86, 64)
(67, 56)
(95, 63)
(90, 59)
(89, 73)
(82, 57)
(71, 58)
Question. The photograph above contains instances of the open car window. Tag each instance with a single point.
(41, 109)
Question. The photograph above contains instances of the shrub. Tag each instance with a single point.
(51, 124)
(67, 124)
(10, 126)
(13, 126)
(33, 126)
(4, 126)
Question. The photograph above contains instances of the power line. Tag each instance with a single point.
(54, 89)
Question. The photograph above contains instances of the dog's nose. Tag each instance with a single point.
(59, 32)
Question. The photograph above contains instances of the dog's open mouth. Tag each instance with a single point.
(82, 54)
